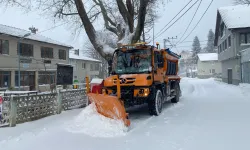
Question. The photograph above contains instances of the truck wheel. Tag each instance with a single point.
(177, 94)
(155, 105)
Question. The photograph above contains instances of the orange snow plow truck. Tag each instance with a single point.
(139, 74)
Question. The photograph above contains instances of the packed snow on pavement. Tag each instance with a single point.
(210, 115)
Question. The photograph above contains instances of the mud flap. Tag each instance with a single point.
(109, 106)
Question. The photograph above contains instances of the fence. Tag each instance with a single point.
(5, 117)
(24, 108)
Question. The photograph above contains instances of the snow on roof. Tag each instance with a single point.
(8, 30)
(208, 56)
(72, 55)
(236, 16)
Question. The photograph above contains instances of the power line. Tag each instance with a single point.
(190, 22)
(191, 45)
(199, 20)
(54, 27)
(193, 41)
(175, 16)
(62, 23)
(177, 19)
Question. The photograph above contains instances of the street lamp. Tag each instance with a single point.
(19, 40)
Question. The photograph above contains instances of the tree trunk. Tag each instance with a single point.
(141, 20)
(89, 28)
(126, 15)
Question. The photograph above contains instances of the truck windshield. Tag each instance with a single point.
(132, 61)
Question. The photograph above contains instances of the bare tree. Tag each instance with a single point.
(90, 51)
(242, 2)
(125, 19)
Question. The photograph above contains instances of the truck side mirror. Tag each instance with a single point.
(160, 65)
(110, 62)
(161, 62)
(110, 66)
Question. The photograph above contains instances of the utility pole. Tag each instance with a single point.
(173, 38)
(153, 31)
(33, 30)
(165, 43)
(168, 40)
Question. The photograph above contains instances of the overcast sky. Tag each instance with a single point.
(17, 18)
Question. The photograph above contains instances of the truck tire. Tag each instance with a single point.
(177, 93)
(155, 105)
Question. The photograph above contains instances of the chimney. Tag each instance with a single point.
(33, 29)
(77, 52)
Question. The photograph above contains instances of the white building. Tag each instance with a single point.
(39, 56)
(208, 65)
(83, 66)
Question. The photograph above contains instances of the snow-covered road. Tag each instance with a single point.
(210, 116)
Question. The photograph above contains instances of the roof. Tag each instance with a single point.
(81, 57)
(235, 16)
(16, 32)
(208, 56)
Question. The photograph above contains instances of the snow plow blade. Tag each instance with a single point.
(109, 106)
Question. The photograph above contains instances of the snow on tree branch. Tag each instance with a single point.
(242, 2)
(125, 20)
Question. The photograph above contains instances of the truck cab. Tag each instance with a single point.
(143, 73)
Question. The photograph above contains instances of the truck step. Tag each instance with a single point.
(170, 97)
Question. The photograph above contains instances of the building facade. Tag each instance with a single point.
(245, 65)
(84, 66)
(208, 65)
(232, 36)
(39, 57)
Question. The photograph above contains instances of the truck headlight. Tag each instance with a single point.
(104, 91)
(146, 92)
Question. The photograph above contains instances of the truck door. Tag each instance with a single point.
(158, 67)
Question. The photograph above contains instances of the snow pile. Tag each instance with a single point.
(186, 87)
(93, 124)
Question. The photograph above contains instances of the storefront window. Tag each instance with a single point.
(4, 79)
(46, 77)
(27, 78)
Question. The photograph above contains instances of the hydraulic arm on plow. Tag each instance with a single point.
(139, 74)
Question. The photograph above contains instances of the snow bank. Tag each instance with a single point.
(186, 87)
(93, 124)
(245, 88)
